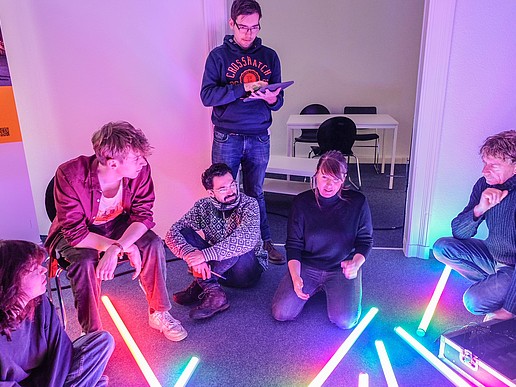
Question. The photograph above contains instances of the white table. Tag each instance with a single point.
(362, 121)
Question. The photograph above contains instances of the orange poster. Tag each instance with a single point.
(9, 125)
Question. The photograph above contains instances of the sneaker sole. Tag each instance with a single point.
(221, 309)
(175, 338)
(274, 262)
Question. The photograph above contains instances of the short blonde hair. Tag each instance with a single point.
(116, 139)
(501, 145)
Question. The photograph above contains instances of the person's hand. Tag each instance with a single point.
(297, 281)
(194, 258)
(135, 259)
(268, 96)
(202, 270)
(350, 267)
(253, 86)
(107, 264)
(489, 198)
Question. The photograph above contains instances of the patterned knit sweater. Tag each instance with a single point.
(500, 220)
(231, 230)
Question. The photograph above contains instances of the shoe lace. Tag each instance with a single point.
(167, 320)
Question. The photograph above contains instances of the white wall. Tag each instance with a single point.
(352, 52)
(478, 94)
(18, 217)
(78, 65)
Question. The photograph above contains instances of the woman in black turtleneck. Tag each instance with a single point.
(329, 237)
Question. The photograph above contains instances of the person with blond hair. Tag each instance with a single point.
(329, 236)
(488, 263)
(104, 205)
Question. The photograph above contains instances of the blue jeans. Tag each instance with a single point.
(252, 152)
(86, 286)
(91, 353)
(343, 296)
(242, 271)
(472, 259)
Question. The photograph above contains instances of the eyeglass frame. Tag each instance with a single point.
(252, 29)
(225, 190)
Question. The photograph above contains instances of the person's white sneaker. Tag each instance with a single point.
(171, 328)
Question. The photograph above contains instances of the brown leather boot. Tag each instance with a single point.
(214, 300)
(188, 296)
(275, 257)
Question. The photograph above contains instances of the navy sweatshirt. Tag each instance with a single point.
(324, 235)
(227, 68)
(40, 353)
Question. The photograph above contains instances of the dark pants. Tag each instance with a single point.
(252, 153)
(343, 296)
(242, 271)
(471, 258)
(86, 286)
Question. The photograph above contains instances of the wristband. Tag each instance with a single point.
(120, 247)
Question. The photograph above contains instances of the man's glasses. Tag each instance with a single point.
(246, 29)
(224, 190)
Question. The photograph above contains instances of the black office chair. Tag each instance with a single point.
(338, 133)
(60, 264)
(309, 135)
(361, 137)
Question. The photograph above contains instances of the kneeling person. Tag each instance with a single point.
(232, 246)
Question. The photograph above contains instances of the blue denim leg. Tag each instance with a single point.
(343, 298)
(489, 294)
(227, 149)
(254, 164)
(471, 258)
(286, 305)
(252, 152)
(91, 353)
(241, 271)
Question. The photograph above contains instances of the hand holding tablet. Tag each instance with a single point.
(271, 87)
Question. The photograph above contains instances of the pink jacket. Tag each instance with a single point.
(77, 195)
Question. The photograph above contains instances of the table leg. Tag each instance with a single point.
(393, 156)
(290, 140)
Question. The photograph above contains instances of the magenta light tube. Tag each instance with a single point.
(131, 344)
(343, 349)
(432, 359)
(430, 309)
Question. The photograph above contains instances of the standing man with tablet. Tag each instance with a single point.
(235, 71)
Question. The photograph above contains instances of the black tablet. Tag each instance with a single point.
(272, 87)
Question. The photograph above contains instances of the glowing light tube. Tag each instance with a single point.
(137, 354)
(432, 359)
(386, 364)
(187, 373)
(363, 379)
(430, 309)
(343, 349)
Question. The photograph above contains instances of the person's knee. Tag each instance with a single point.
(345, 322)
(439, 249)
(281, 314)
(472, 304)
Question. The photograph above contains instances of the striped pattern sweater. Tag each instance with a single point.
(500, 221)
